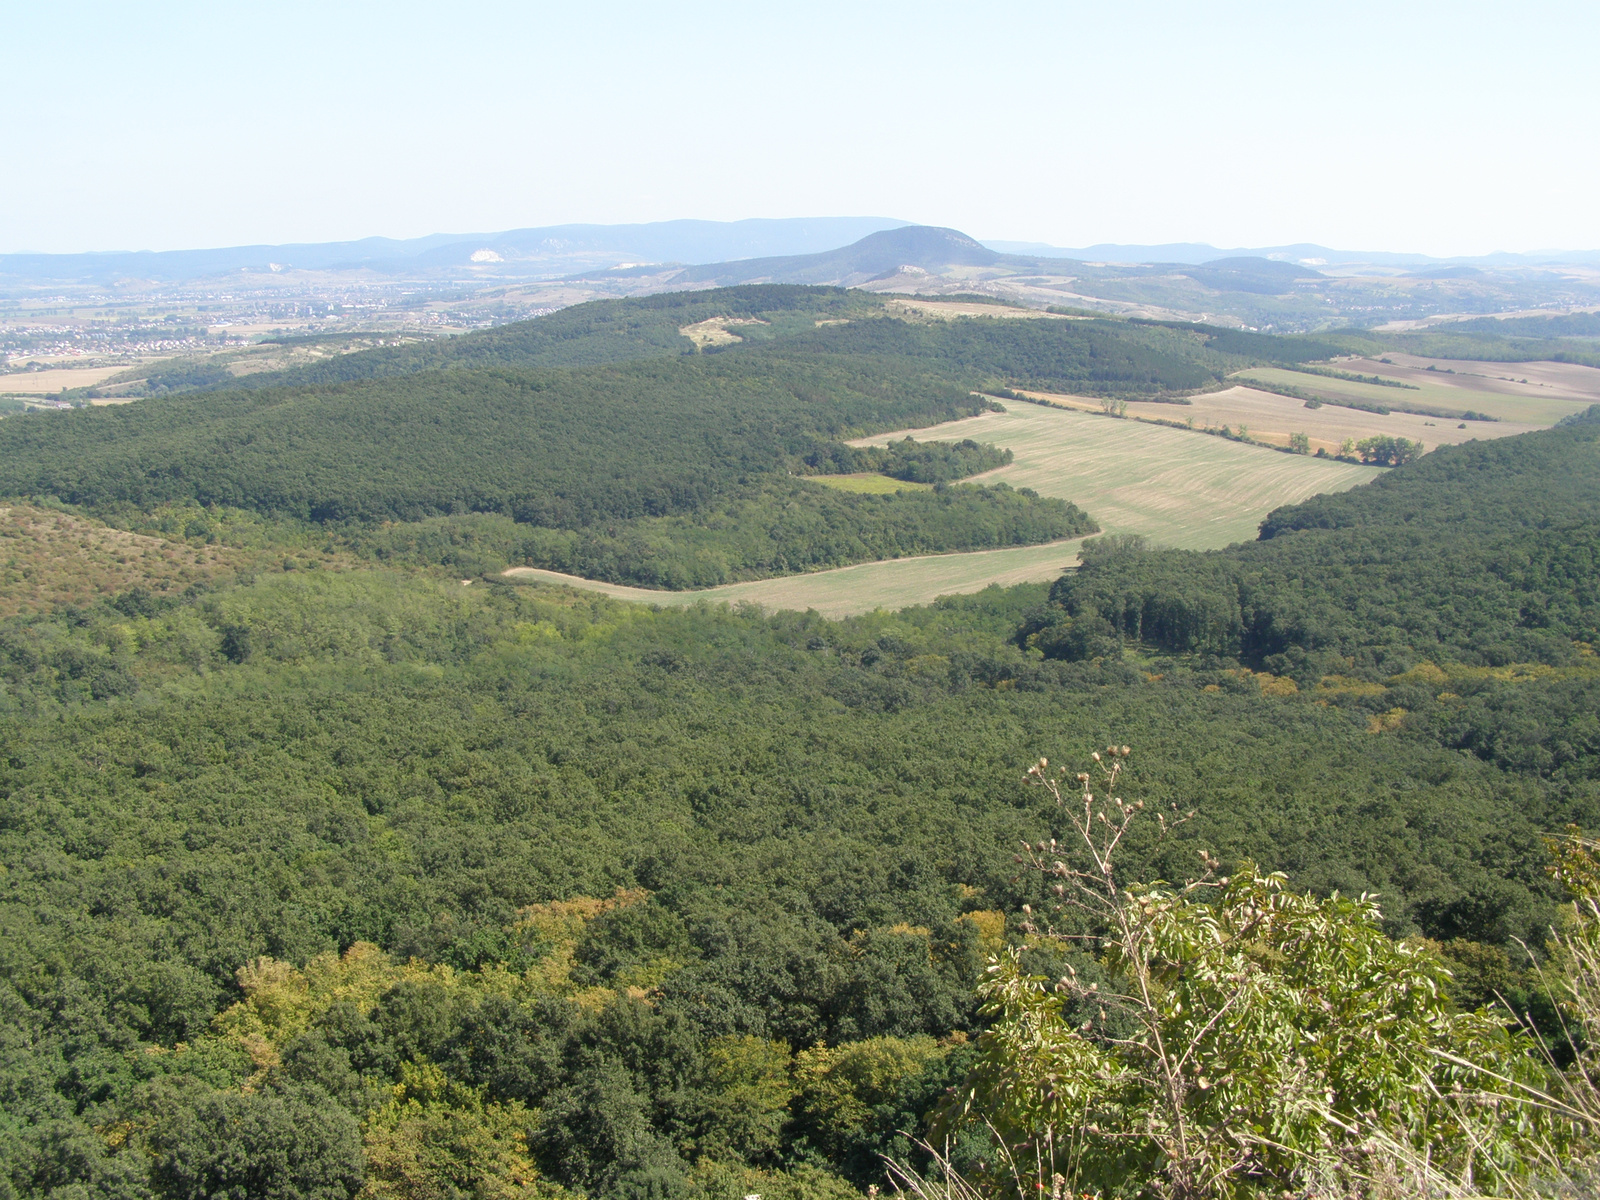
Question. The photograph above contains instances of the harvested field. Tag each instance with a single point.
(869, 483)
(1537, 407)
(44, 383)
(49, 558)
(861, 588)
(1271, 418)
(1178, 488)
(1562, 381)
(948, 310)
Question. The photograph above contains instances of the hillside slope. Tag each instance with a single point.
(925, 247)
(1136, 357)
(1482, 554)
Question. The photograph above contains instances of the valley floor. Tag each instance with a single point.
(1178, 488)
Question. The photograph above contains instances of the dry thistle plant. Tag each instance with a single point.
(1227, 1037)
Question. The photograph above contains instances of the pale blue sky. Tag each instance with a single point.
(1449, 128)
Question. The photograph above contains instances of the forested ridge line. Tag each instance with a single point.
(1098, 355)
(560, 448)
(591, 334)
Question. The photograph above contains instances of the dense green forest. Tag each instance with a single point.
(916, 462)
(326, 874)
(232, 818)
(555, 448)
(784, 527)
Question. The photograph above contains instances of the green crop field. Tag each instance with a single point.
(1523, 405)
(869, 483)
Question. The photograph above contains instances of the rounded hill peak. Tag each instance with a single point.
(926, 246)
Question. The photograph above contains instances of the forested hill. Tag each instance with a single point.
(674, 472)
(341, 881)
(1482, 554)
(554, 448)
(600, 331)
(656, 463)
(1109, 356)
(366, 878)
(1567, 338)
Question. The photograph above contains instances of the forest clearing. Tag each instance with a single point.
(1178, 489)
(861, 588)
(869, 483)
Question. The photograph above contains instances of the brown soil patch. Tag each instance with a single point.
(715, 332)
(50, 558)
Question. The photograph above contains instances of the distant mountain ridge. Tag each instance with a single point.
(892, 254)
(557, 249)
(839, 248)
(878, 255)
(1197, 253)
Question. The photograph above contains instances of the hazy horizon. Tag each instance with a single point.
(1009, 244)
(1440, 130)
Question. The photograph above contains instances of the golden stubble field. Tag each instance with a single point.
(1178, 488)
(1552, 380)
(1271, 418)
(1535, 405)
(53, 379)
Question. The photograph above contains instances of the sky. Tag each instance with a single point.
(1440, 128)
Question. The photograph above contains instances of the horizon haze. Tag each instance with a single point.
(1421, 130)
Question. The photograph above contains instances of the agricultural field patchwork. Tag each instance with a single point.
(1532, 405)
(53, 379)
(1552, 380)
(1270, 418)
(1178, 488)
